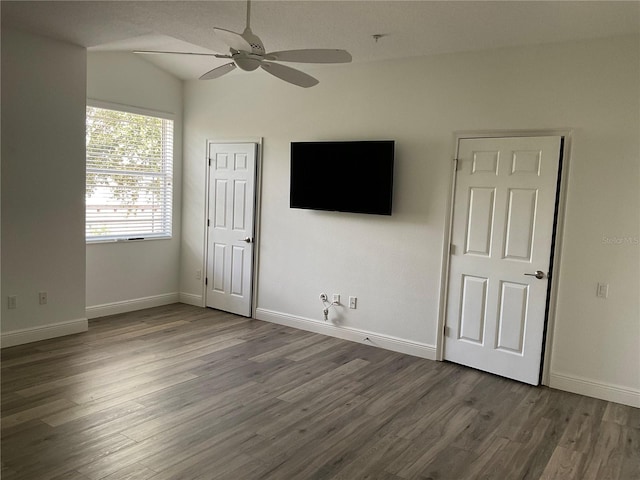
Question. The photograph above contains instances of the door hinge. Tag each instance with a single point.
(452, 249)
(457, 163)
(208, 222)
(209, 162)
(446, 331)
(206, 281)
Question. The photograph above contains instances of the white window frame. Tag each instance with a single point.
(169, 155)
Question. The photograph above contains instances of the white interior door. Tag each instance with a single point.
(503, 223)
(229, 279)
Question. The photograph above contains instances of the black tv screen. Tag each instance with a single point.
(343, 176)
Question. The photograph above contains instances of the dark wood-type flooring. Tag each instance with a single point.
(180, 392)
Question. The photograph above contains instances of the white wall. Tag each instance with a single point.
(43, 170)
(393, 264)
(126, 276)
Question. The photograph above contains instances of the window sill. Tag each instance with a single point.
(125, 240)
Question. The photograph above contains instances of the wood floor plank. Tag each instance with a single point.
(446, 430)
(315, 349)
(323, 404)
(564, 465)
(605, 460)
(71, 475)
(290, 348)
(90, 407)
(68, 455)
(37, 412)
(374, 455)
(153, 425)
(134, 471)
(279, 443)
(448, 464)
(530, 457)
(496, 448)
(631, 466)
(448, 394)
(583, 430)
(224, 434)
(313, 456)
(323, 381)
(181, 392)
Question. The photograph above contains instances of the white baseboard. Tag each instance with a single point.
(132, 305)
(191, 299)
(45, 332)
(590, 388)
(347, 333)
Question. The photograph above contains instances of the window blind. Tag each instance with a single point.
(129, 175)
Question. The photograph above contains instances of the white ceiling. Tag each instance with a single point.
(413, 28)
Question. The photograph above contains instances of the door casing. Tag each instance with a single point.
(566, 134)
(257, 211)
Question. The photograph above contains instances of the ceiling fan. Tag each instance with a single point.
(247, 52)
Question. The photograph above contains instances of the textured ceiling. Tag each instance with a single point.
(413, 28)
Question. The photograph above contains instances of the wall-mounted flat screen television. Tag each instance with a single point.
(352, 176)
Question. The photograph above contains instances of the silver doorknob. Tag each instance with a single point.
(539, 274)
(247, 240)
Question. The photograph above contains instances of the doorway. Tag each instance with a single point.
(500, 256)
(231, 226)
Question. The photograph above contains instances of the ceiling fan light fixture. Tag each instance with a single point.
(247, 61)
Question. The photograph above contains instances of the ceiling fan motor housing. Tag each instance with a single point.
(249, 61)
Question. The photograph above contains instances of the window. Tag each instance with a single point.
(129, 175)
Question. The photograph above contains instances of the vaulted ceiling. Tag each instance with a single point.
(414, 28)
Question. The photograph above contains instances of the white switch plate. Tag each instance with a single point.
(353, 302)
(42, 298)
(336, 298)
(603, 290)
(12, 302)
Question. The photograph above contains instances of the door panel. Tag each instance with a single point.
(514, 298)
(474, 301)
(239, 205)
(519, 234)
(230, 235)
(502, 230)
(480, 221)
(237, 270)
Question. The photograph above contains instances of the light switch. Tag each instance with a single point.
(603, 290)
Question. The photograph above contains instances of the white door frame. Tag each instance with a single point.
(256, 213)
(557, 248)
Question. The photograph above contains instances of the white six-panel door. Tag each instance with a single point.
(502, 232)
(229, 276)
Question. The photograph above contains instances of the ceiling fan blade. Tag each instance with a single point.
(312, 55)
(218, 71)
(157, 52)
(289, 74)
(233, 39)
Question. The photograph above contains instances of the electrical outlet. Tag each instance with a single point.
(353, 302)
(12, 302)
(603, 290)
(323, 297)
(198, 274)
(42, 298)
(336, 298)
